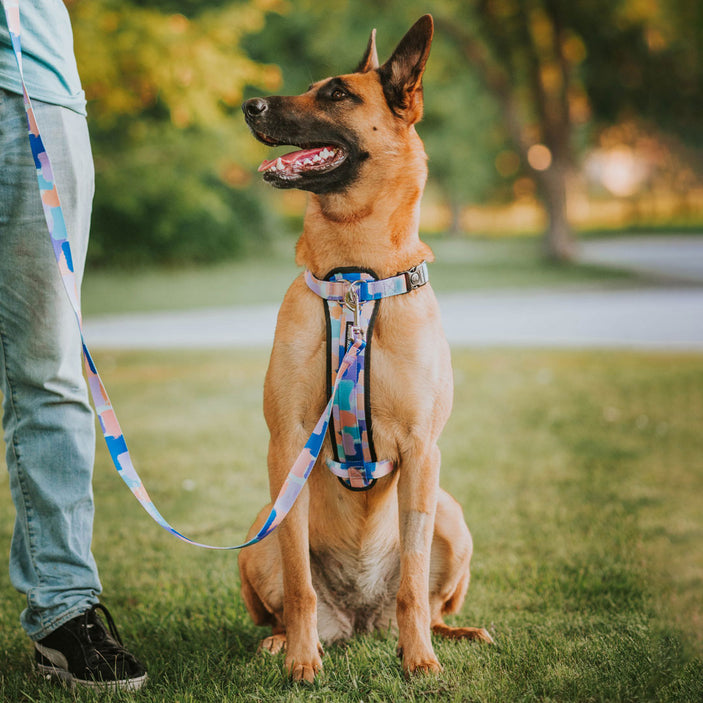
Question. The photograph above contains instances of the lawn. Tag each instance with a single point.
(581, 475)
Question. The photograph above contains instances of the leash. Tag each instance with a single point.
(351, 298)
(112, 432)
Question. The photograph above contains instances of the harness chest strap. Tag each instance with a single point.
(351, 299)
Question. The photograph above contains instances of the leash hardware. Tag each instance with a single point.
(416, 277)
(351, 300)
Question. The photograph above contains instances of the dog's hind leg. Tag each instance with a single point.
(449, 570)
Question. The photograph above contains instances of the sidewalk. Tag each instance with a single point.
(657, 317)
(671, 257)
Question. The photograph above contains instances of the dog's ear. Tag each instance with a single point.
(370, 60)
(401, 75)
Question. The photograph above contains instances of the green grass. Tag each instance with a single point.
(581, 475)
(462, 264)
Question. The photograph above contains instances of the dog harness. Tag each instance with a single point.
(351, 298)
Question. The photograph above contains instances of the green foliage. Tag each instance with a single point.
(175, 161)
(172, 154)
(183, 209)
(643, 59)
(461, 131)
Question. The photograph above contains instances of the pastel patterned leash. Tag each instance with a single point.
(114, 438)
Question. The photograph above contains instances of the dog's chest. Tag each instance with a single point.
(356, 590)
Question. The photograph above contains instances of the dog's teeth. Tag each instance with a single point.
(279, 163)
(307, 162)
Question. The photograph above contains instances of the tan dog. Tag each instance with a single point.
(398, 553)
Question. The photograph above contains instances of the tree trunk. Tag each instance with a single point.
(455, 227)
(559, 244)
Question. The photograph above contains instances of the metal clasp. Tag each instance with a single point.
(416, 276)
(351, 300)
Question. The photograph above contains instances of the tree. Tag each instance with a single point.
(555, 64)
(460, 132)
(523, 63)
(544, 75)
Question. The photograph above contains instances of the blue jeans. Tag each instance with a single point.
(47, 419)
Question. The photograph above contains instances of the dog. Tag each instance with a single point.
(396, 555)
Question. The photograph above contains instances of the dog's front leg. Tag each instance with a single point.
(418, 485)
(303, 650)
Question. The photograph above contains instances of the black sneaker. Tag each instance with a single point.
(83, 652)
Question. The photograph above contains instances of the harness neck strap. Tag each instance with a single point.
(367, 290)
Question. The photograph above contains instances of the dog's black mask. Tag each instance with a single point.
(330, 155)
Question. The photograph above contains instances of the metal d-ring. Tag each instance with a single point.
(351, 300)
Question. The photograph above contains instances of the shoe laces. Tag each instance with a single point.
(104, 646)
(93, 627)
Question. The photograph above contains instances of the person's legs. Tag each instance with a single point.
(48, 423)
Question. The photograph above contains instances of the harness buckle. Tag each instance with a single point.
(416, 277)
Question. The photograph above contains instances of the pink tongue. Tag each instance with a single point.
(289, 159)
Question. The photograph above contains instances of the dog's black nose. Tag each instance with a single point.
(255, 107)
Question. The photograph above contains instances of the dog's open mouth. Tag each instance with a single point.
(323, 161)
(318, 159)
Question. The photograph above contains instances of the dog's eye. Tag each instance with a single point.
(338, 94)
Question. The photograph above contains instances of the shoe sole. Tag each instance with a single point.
(70, 681)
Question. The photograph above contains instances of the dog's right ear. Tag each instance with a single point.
(370, 60)
(401, 75)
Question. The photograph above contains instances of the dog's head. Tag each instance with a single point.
(346, 124)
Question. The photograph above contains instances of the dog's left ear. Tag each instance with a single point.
(401, 75)
(370, 60)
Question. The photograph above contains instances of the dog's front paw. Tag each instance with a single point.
(302, 668)
(305, 672)
(425, 665)
(420, 663)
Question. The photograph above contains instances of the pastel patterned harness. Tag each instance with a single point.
(351, 299)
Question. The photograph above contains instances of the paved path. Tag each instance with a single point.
(666, 318)
(673, 257)
(650, 318)
(657, 317)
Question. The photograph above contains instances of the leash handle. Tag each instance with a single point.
(112, 432)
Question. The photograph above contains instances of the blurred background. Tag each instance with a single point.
(549, 120)
(565, 208)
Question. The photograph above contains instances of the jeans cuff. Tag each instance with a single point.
(48, 627)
